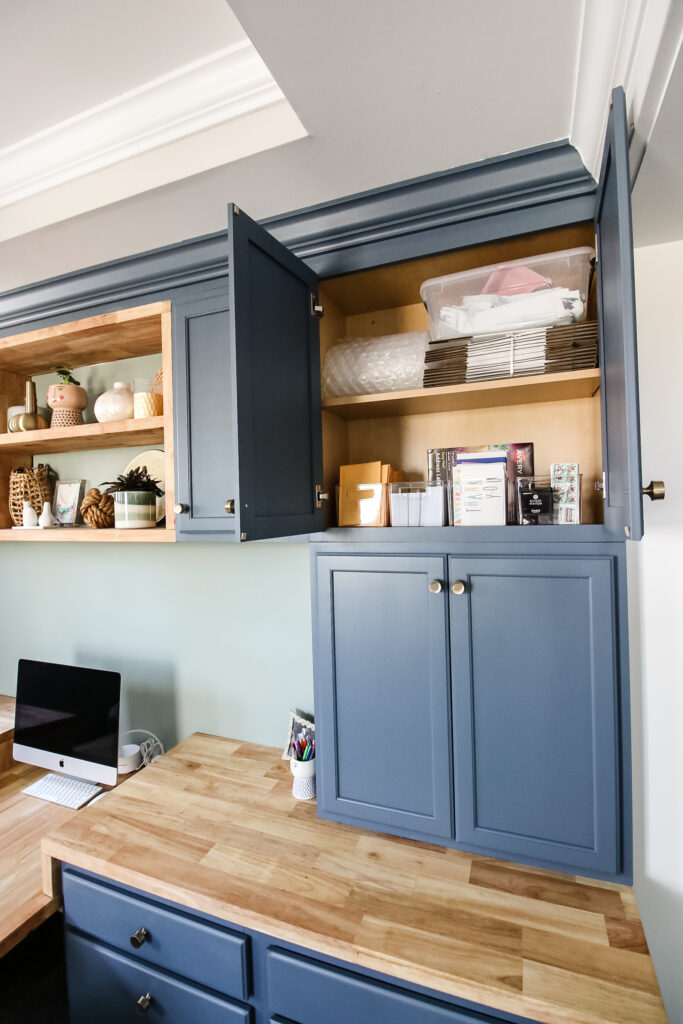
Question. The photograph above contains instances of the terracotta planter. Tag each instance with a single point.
(67, 402)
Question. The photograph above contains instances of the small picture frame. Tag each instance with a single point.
(66, 504)
(301, 727)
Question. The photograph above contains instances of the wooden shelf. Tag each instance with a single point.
(65, 534)
(98, 339)
(86, 437)
(549, 387)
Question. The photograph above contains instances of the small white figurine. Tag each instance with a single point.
(46, 519)
(28, 516)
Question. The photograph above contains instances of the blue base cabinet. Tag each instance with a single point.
(247, 977)
(524, 740)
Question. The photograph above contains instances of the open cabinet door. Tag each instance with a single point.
(279, 426)
(617, 312)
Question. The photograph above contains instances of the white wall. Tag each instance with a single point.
(656, 621)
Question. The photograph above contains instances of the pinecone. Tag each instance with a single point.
(98, 509)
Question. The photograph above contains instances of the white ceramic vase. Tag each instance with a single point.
(28, 515)
(115, 404)
(46, 519)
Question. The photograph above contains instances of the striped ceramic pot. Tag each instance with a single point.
(135, 510)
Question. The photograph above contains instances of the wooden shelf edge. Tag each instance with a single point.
(546, 387)
(86, 437)
(81, 534)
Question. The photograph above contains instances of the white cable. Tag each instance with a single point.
(150, 748)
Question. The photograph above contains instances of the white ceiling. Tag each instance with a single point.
(385, 90)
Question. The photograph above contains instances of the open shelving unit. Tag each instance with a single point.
(124, 334)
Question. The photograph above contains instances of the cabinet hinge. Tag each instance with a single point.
(316, 310)
(627, 531)
(320, 496)
(243, 536)
(236, 209)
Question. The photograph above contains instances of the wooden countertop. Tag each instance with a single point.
(213, 825)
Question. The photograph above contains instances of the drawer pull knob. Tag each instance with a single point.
(458, 588)
(138, 937)
(180, 508)
(230, 506)
(435, 586)
(655, 490)
(142, 1004)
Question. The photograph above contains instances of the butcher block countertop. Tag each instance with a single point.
(213, 826)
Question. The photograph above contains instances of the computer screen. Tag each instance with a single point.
(67, 719)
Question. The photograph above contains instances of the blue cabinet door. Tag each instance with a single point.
(277, 367)
(382, 704)
(617, 312)
(205, 418)
(535, 709)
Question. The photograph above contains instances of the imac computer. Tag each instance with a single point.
(67, 720)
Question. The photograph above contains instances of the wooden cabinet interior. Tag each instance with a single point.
(124, 334)
(560, 413)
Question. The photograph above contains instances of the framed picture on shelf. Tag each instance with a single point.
(67, 502)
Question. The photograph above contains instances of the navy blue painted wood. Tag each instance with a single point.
(382, 703)
(533, 654)
(104, 986)
(278, 383)
(617, 311)
(198, 950)
(310, 992)
(205, 418)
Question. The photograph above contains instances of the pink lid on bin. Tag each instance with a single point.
(514, 281)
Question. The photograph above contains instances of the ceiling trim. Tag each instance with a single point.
(208, 92)
(631, 43)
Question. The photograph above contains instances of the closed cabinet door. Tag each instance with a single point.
(205, 415)
(382, 698)
(535, 709)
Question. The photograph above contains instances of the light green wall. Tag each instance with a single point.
(209, 637)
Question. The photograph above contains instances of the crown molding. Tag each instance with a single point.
(208, 92)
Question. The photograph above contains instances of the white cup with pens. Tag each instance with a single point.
(302, 765)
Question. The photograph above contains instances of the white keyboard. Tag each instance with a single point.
(62, 789)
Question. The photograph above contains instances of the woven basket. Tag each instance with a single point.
(29, 484)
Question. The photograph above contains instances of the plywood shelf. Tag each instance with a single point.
(548, 387)
(86, 437)
(65, 534)
(97, 339)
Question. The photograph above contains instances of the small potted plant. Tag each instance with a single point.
(135, 499)
(67, 400)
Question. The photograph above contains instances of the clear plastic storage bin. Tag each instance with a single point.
(538, 292)
(418, 503)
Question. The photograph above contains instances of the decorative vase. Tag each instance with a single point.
(46, 519)
(67, 402)
(29, 419)
(146, 401)
(135, 510)
(115, 404)
(28, 517)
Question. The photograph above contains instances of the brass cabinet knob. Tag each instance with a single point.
(435, 586)
(655, 490)
(458, 588)
(179, 508)
(142, 1004)
(230, 506)
(139, 937)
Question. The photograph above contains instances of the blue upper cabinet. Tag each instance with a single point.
(616, 297)
(247, 396)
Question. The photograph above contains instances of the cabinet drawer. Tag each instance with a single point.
(106, 986)
(310, 992)
(198, 950)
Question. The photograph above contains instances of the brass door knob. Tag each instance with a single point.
(655, 490)
(180, 509)
(139, 937)
(458, 588)
(142, 1004)
(230, 506)
(435, 586)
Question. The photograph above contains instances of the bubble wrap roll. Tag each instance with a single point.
(367, 366)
